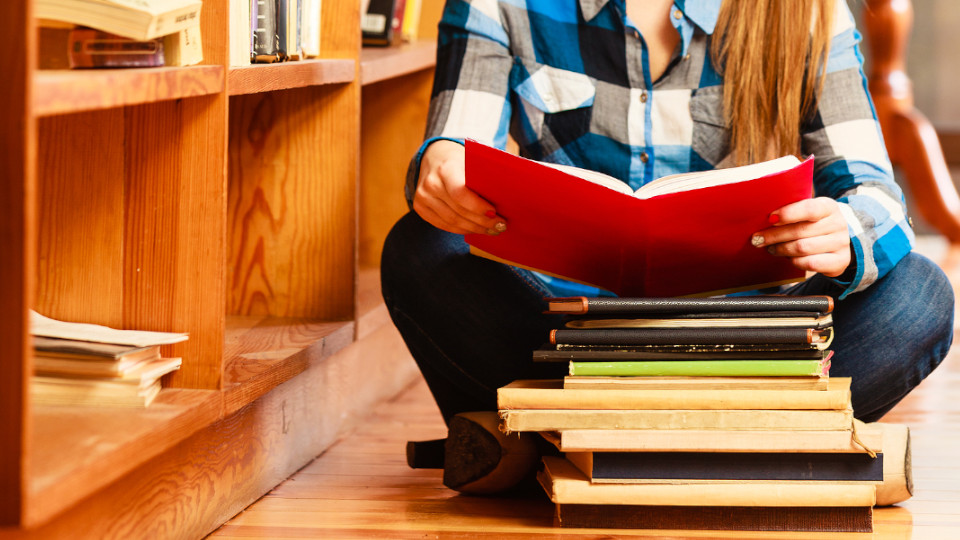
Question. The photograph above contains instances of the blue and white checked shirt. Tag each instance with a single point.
(570, 81)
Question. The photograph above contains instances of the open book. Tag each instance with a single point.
(686, 234)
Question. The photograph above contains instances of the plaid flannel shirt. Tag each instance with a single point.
(570, 81)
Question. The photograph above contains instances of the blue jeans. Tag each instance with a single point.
(471, 324)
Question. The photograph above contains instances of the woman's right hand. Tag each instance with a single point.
(442, 198)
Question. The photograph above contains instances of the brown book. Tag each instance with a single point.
(695, 383)
(716, 518)
(564, 483)
(551, 394)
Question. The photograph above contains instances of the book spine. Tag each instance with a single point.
(544, 398)
(266, 40)
(686, 336)
(560, 420)
(567, 352)
(716, 368)
(721, 466)
(621, 306)
(691, 440)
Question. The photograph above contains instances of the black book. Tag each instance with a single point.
(802, 337)
(586, 353)
(266, 38)
(699, 467)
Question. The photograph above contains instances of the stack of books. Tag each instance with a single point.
(91, 365)
(709, 413)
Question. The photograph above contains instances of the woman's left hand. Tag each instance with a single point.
(812, 233)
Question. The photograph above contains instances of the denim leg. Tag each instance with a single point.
(470, 323)
(891, 335)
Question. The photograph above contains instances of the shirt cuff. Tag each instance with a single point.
(413, 171)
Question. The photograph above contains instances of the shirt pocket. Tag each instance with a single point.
(553, 99)
(711, 134)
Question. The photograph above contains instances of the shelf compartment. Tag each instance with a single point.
(257, 78)
(68, 91)
(76, 451)
(384, 63)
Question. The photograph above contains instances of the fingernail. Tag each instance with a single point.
(500, 227)
(493, 232)
(774, 219)
(757, 240)
(490, 214)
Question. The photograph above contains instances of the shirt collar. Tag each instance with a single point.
(703, 13)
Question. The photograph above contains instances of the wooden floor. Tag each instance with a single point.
(362, 488)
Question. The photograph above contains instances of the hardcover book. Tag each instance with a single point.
(657, 241)
(550, 394)
(564, 483)
(663, 307)
(726, 467)
(703, 368)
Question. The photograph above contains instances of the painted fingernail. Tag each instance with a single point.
(490, 214)
(757, 240)
(493, 232)
(500, 226)
(774, 219)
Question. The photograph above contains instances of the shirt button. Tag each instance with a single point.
(636, 33)
(644, 157)
(677, 14)
(643, 97)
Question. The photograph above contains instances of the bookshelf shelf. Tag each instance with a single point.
(258, 78)
(260, 354)
(68, 91)
(383, 63)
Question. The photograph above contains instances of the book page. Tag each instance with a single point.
(592, 176)
(47, 327)
(675, 183)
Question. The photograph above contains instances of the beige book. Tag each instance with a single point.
(91, 392)
(566, 485)
(696, 383)
(712, 419)
(551, 394)
(700, 440)
(184, 48)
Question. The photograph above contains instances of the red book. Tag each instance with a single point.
(679, 235)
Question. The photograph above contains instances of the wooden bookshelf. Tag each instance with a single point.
(62, 92)
(221, 201)
(258, 78)
(383, 63)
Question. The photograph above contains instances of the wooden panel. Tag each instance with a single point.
(382, 63)
(283, 76)
(80, 263)
(18, 238)
(175, 214)
(292, 203)
(60, 92)
(197, 483)
(394, 120)
(105, 444)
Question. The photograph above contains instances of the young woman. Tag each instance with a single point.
(640, 89)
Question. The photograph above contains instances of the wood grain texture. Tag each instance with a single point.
(383, 63)
(18, 237)
(61, 92)
(257, 78)
(175, 219)
(201, 472)
(394, 119)
(292, 202)
(80, 260)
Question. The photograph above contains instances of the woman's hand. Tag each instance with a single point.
(442, 198)
(812, 233)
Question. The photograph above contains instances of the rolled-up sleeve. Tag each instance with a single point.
(852, 165)
(470, 97)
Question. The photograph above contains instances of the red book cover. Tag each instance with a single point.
(694, 242)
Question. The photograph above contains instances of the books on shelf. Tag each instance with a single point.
(134, 19)
(280, 30)
(86, 364)
(574, 224)
(382, 22)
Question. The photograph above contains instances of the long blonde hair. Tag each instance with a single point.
(772, 55)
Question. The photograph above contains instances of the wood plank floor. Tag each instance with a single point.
(362, 488)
